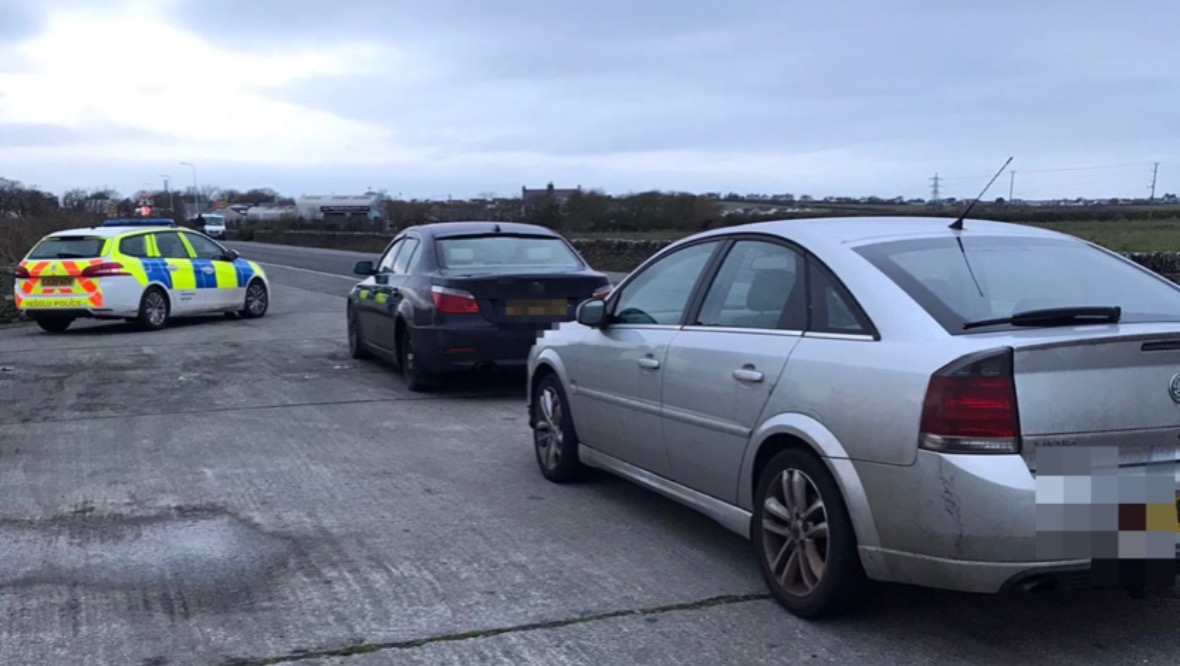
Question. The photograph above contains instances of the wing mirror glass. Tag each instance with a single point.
(363, 268)
(592, 313)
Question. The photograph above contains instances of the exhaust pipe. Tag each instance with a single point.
(1038, 585)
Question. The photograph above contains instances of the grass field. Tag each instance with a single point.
(1133, 236)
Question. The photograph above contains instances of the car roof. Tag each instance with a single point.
(444, 229)
(859, 230)
(112, 232)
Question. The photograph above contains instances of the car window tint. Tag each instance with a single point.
(386, 264)
(134, 246)
(205, 248)
(500, 251)
(409, 247)
(62, 247)
(997, 276)
(416, 259)
(659, 295)
(759, 286)
(170, 246)
(831, 311)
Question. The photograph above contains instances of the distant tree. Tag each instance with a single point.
(75, 199)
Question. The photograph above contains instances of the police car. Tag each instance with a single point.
(142, 270)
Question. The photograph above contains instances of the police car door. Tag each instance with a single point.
(176, 271)
(217, 277)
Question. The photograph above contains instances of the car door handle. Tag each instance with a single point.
(171, 267)
(747, 375)
(207, 270)
(648, 363)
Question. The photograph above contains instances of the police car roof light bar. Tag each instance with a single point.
(141, 222)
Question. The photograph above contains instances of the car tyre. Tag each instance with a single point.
(257, 300)
(356, 343)
(153, 310)
(803, 538)
(554, 440)
(415, 379)
(55, 325)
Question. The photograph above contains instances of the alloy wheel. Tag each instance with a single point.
(256, 299)
(156, 308)
(795, 532)
(549, 435)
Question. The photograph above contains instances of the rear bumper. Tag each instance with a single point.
(456, 349)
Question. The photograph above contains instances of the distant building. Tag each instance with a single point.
(559, 195)
(340, 208)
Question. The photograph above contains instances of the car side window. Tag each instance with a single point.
(134, 246)
(832, 311)
(405, 255)
(416, 260)
(386, 264)
(659, 295)
(760, 285)
(170, 246)
(205, 248)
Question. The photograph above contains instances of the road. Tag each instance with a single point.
(242, 492)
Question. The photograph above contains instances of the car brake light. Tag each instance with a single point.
(105, 269)
(21, 273)
(454, 301)
(602, 292)
(970, 406)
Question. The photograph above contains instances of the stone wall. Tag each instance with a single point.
(7, 305)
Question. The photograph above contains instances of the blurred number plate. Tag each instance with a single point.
(547, 308)
(56, 281)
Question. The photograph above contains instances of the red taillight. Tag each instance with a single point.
(970, 407)
(453, 301)
(602, 292)
(105, 269)
(21, 273)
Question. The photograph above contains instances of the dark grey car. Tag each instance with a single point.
(457, 296)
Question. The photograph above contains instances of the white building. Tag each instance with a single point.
(339, 207)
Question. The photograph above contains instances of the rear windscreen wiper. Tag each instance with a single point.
(1054, 317)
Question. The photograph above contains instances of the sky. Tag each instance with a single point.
(437, 98)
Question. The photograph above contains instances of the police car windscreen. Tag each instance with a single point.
(68, 247)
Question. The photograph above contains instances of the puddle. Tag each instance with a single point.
(196, 554)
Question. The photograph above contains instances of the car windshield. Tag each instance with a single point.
(68, 248)
(501, 251)
(995, 277)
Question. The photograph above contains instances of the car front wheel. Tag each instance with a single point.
(803, 538)
(554, 440)
(257, 301)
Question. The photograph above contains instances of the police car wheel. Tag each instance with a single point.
(57, 325)
(257, 301)
(153, 310)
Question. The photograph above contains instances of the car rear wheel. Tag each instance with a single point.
(55, 325)
(554, 440)
(803, 538)
(257, 301)
(356, 343)
(153, 310)
(415, 379)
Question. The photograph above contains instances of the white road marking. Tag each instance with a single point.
(305, 270)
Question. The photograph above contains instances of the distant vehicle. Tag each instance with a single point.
(865, 398)
(457, 296)
(213, 225)
(142, 270)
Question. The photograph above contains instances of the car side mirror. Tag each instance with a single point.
(231, 255)
(592, 313)
(363, 268)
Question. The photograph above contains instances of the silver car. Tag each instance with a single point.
(863, 398)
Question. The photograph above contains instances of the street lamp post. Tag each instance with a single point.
(171, 205)
(196, 191)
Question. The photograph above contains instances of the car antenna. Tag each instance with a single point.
(496, 228)
(957, 225)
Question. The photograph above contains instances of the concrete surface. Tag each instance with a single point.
(242, 492)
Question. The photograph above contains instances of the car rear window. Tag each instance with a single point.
(502, 250)
(997, 276)
(68, 247)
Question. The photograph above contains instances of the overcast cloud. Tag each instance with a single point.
(457, 97)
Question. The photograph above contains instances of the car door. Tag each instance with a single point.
(175, 271)
(368, 310)
(616, 371)
(722, 367)
(216, 275)
(388, 287)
